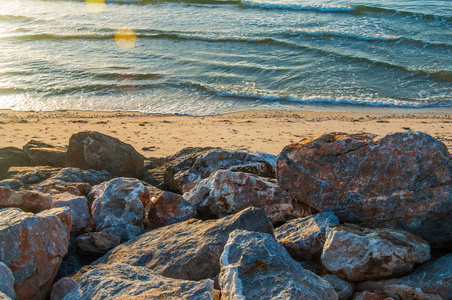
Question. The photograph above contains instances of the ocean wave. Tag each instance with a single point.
(285, 6)
(16, 18)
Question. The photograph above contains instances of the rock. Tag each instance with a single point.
(356, 254)
(96, 243)
(12, 184)
(48, 157)
(30, 176)
(304, 238)
(30, 201)
(312, 266)
(62, 287)
(226, 192)
(369, 296)
(194, 168)
(255, 266)
(170, 208)
(121, 281)
(33, 247)
(402, 180)
(37, 144)
(11, 156)
(124, 231)
(119, 201)
(82, 221)
(432, 279)
(7, 281)
(189, 250)
(344, 289)
(93, 150)
(4, 297)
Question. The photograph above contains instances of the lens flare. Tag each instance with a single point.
(95, 6)
(125, 38)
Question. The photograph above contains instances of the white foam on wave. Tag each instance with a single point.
(296, 6)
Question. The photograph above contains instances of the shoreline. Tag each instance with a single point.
(159, 135)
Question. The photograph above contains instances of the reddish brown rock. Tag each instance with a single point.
(30, 201)
(33, 247)
(62, 287)
(366, 295)
(170, 208)
(82, 221)
(93, 150)
(402, 180)
(226, 192)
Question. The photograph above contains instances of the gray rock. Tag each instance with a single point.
(125, 231)
(96, 243)
(94, 150)
(7, 281)
(12, 184)
(62, 287)
(125, 282)
(344, 289)
(53, 157)
(82, 221)
(255, 266)
(32, 246)
(366, 295)
(119, 201)
(432, 279)
(189, 250)
(92, 177)
(31, 176)
(170, 208)
(356, 253)
(11, 156)
(304, 238)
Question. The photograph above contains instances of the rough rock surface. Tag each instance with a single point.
(119, 201)
(4, 297)
(366, 295)
(7, 281)
(30, 201)
(226, 192)
(96, 243)
(122, 281)
(62, 287)
(189, 250)
(33, 247)
(197, 167)
(12, 184)
(356, 253)
(30, 176)
(170, 208)
(432, 279)
(402, 180)
(11, 156)
(304, 238)
(82, 221)
(124, 231)
(255, 266)
(53, 157)
(93, 150)
(344, 289)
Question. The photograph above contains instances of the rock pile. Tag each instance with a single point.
(335, 217)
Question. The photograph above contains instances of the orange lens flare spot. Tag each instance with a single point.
(95, 6)
(125, 38)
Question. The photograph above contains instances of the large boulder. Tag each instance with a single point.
(226, 192)
(94, 150)
(82, 221)
(170, 208)
(356, 253)
(33, 247)
(196, 167)
(11, 156)
(255, 266)
(29, 201)
(119, 201)
(433, 279)
(124, 282)
(189, 250)
(304, 238)
(42, 154)
(7, 281)
(401, 180)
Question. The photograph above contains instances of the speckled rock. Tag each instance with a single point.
(119, 201)
(11, 156)
(304, 238)
(356, 253)
(402, 180)
(124, 231)
(226, 192)
(432, 280)
(170, 208)
(33, 247)
(197, 167)
(30, 201)
(124, 282)
(94, 150)
(7, 281)
(255, 266)
(96, 243)
(82, 221)
(62, 287)
(344, 289)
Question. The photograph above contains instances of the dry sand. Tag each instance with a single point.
(162, 135)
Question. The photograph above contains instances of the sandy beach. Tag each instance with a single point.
(162, 135)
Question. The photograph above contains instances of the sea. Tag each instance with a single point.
(204, 57)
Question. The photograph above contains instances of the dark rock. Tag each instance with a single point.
(371, 296)
(255, 266)
(29, 201)
(11, 156)
(7, 281)
(33, 247)
(189, 250)
(125, 231)
(304, 238)
(30, 176)
(170, 208)
(12, 184)
(93, 150)
(401, 180)
(62, 287)
(48, 157)
(38, 144)
(356, 254)
(121, 281)
(344, 289)
(96, 243)
(82, 221)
